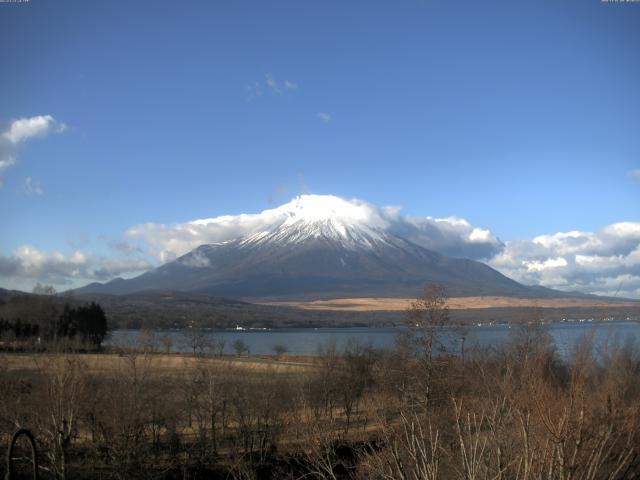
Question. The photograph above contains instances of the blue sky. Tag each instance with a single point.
(520, 117)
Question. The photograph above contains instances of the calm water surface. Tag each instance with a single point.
(307, 341)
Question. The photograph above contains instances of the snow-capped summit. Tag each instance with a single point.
(330, 216)
(317, 245)
(314, 208)
(321, 217)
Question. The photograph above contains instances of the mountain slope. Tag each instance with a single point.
(321, 246)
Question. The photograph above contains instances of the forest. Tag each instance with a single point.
(31, 322)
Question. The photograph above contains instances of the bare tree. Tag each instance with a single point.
(40, 289)
(354, 377)
(240, 346)
(63, 386)
(410, 449)
(280, 349)
(215, 344)
(196, 338)
(120, 411)
(426, 317)
(167, 343)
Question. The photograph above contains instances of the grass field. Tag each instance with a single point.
(456, 303)
(168, 364)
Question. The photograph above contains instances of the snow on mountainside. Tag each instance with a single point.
(448, 236)
(320, 216)
(319, 246)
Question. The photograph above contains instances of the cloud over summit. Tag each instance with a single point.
(450, 236)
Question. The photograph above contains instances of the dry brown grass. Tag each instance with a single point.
(163, 363)
(454, 303)
(519, 412)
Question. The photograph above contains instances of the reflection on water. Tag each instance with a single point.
(306, 341)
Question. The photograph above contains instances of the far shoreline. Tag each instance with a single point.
(592, 321)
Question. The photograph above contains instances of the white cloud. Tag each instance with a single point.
(549, 263)
(451, 236)
(603, 262)
(289, 85)
(324, 116)
(33, 187)
(255, 90)
(25, 128)
(166, 242)
(272, 85)
(6, 160)
(19, 131)
(28, 265)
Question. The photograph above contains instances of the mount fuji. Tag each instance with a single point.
(320, 246)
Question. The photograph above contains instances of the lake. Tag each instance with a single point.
(306, 341)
